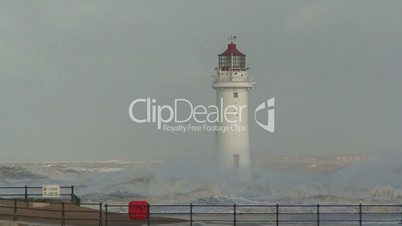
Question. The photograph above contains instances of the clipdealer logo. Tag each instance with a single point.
(269, 107)
(223, 117)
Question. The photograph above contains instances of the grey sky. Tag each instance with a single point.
(69, 69)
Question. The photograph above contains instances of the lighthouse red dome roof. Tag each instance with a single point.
(232, 51)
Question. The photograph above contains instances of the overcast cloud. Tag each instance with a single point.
(69, 70)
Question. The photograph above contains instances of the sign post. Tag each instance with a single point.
(50, 191)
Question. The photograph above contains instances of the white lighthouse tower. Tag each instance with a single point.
(232, 84)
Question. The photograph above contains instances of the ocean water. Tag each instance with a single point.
(184, 182)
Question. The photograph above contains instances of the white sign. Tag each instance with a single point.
(51, 191)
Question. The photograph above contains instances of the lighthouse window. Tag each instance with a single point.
(235, 95)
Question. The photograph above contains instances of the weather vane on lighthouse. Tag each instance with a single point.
(232, 38)
(232, 84)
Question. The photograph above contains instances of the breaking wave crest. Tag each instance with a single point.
(120, 182)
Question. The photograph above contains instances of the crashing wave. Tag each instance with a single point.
(121, 181)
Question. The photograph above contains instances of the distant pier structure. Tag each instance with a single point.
(232, 84)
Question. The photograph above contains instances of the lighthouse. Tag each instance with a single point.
(232, 84)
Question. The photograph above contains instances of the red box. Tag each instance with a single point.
(138, 210)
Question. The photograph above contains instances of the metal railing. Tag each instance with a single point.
(264, 214)
(234, 79)
(65, 213)
(33, 192)
(51, 212)
(18, 206)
